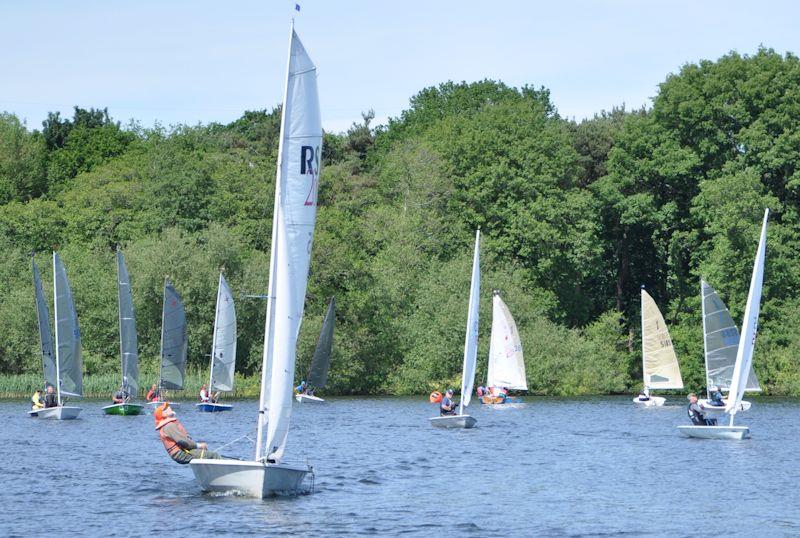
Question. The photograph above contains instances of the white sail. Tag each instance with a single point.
(223, 348)
(721, 341)
(128, 340)
(471, 339)
(659, 363)
(45, 335)
(506, 364)
(747, 342)
(69, 364)
(293, 230)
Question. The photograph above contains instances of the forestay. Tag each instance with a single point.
(747, 343)
(45, 335)
(68, 335)
(223, 354)
(293, 225)
(320, 362)
(128, 340)
(506, 364)
(721, 339)
(659, 363)
(471, 339)
(174, 340)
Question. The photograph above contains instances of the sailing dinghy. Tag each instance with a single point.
(174, 345)
(318, 371)
(223, 349)
(720, 342)
(65, 373)
(506, 364)
(462, 420)
(128, 344)
(660, 367)
(294, 216)
(744, 353)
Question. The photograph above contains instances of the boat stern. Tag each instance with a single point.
(250, 478)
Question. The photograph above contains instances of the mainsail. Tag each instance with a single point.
(174, 340)
(506, 364)
(747, 343)
(721, 341)
(471, 338)
(299, 153)
(223, 348)
(128, 342)
(318, 374)
(45, 336)
(68, 336)
(659, 363)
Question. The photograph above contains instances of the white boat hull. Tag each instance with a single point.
(716, 409)
(250, 478)
(56, 413)
(308, 398)
(736, 433)
(153, 405)
(453, 421)
(654, 401)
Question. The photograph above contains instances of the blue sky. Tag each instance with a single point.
(200, 61)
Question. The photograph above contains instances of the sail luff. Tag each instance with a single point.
(321, 360)
(45, 335)
(214, 336)
(471, 336)
(747, 341)
(128, 340)
(55, 328)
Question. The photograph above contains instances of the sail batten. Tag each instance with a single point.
(69, 364)
(660, 367)
(128, 340)
(45, 334)
(506, 362)
(223, 353)
(174, 340)
(471, 338)
(320, 362)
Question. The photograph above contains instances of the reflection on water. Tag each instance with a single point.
(547, 467)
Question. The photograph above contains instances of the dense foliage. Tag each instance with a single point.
(575, 217)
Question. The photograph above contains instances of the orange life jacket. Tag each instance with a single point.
(173, 449)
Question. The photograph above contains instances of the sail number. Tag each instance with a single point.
(309, 165)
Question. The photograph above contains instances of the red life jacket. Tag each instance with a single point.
(173, 449)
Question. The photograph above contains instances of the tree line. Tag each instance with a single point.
(576, 216)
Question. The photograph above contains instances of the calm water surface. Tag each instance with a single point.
(546, 467)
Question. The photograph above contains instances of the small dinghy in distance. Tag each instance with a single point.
(223, 349)
(318, 371)
(744, 353)
(720, 342)
(462, 420)
(174, 345)
(506, 363)
(65, 373)
(294, 217)
(128, 344)
(659, 363)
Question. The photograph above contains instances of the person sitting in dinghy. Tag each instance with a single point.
(206, 396)
(120, 397)
(448, 406)
(51, 399)
(180, 447)
(152, 394)
(36, 400)
(696, 414)
(716, 398)
(301, 388)
(644, 395)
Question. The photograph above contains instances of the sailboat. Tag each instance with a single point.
(506, 364)
(721, 342)
(660, 367)
(128, 344)
(744, 353)
(294, 216)
(318, 371)
(223, 348)
(174, 344)
(462, 420)
(66, 372)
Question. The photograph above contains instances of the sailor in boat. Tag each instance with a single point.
(302, 388)
(696, 414)
(51, 399)
(177, 442)
(206, 396)
(152, 394)
(644, 395)
(481, 391)
(447, 405)
(716, 398)
(121, 396)
(36, 400)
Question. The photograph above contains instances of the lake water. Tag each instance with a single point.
(549, 467)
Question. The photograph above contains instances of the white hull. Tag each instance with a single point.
(654, 401)
(56, 413)
(249, 478)
(308, 398)
(716, 409)
(453, 421)
(153, 405)
(736, 433)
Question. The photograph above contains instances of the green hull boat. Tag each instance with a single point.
(124, 409)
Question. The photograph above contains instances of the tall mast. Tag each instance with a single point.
(163, 316)
(705, 338)
(266, 365)
(55, 318)
(644, 366)
(119, 317)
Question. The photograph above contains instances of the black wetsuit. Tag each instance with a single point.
(696, 415)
